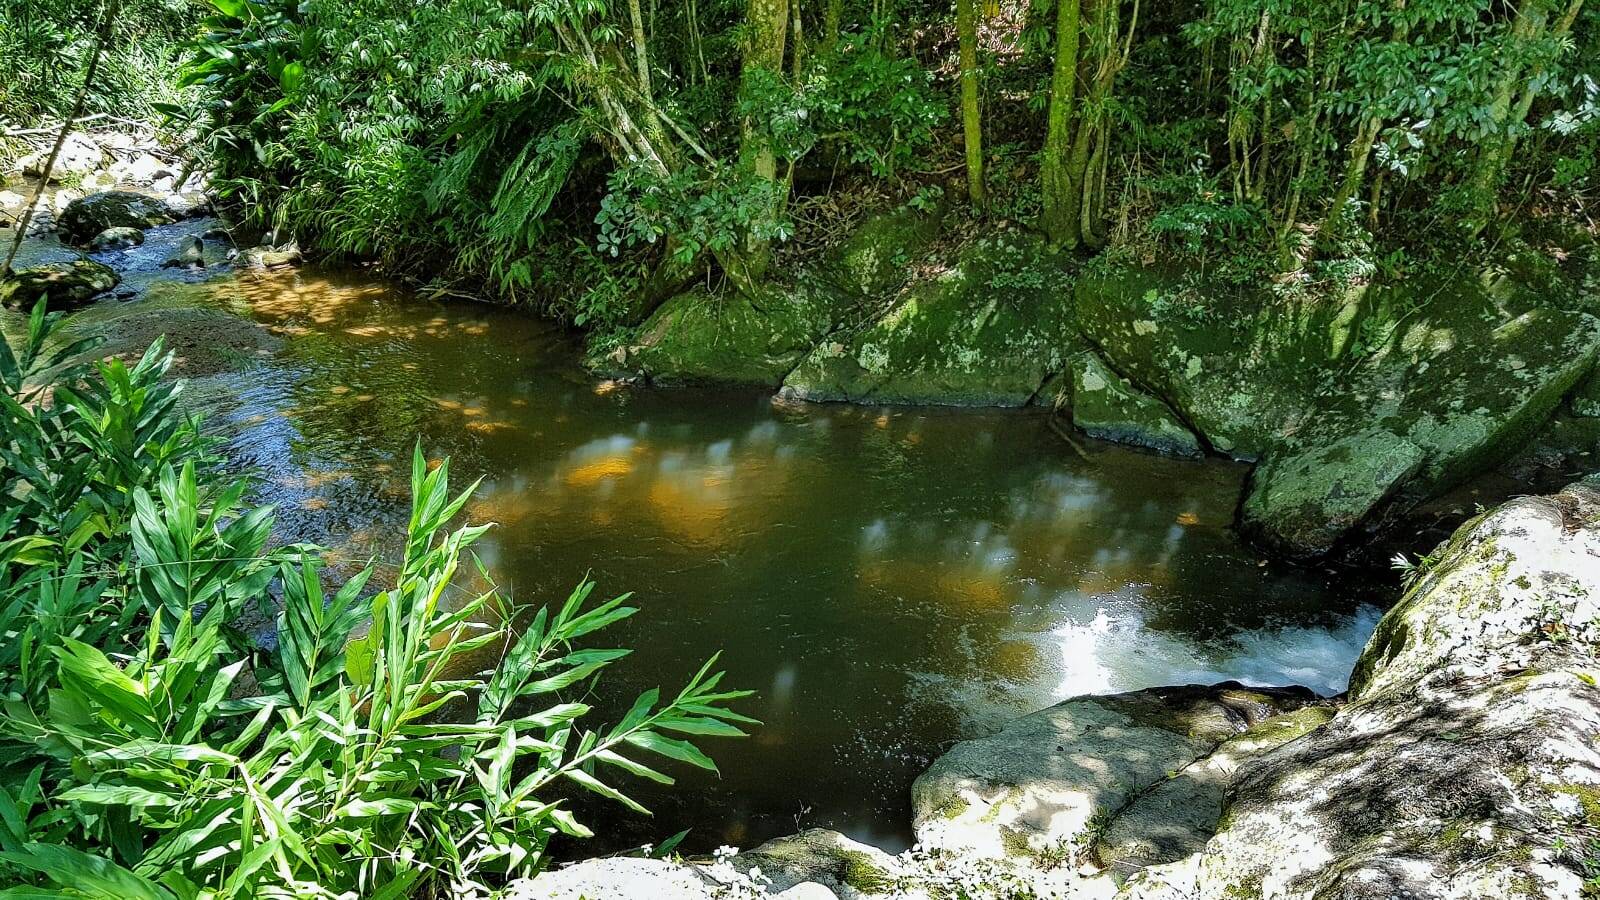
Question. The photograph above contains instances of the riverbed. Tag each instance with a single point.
(889, 580)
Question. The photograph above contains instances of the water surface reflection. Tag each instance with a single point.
(889, 580)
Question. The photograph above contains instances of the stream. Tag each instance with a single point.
(889, 580)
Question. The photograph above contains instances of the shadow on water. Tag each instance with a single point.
(889, 580)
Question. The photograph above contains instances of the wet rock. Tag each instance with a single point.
(1464, 765)
(190, 252)
(1040, 790)
(80, 155)
(847, 869)
(118, 238)
(86, 217)
(987, 331)
(217, 234)
(66, 284)
(270, 257)
(1300, 504)
(1105, 405)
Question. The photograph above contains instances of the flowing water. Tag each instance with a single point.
(888, 580)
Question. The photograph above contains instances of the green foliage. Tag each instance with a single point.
(152, 750)
(45, 44)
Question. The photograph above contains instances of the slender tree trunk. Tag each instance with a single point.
(1361, 148)
(1533, 20)
(767, 24)
(797, 54)
(971, 121)
(641, 51)
(831, 23)
(103, 33)
(1060, 216)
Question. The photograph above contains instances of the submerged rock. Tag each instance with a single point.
(1464, 765)
(988, 331)
(66, 284)
(118, 238)
(1042, 790)
(1107, 406)
(88, 216)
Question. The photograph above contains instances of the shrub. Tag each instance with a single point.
(152, 750)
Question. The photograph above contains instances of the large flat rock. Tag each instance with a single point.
(1041, 789)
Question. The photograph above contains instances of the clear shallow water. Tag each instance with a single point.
(889, 580)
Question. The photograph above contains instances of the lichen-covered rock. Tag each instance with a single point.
(67, 284)
(1105, 405)
(1174, 819)
(875, 258)
(1464, 765)
(989, 331)
(1300, 504)
(119, 238)
(88, 216)
(1041, 788)
(847, 868)
(1239, 370)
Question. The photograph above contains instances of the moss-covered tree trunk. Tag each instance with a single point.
(1060, 218)
(766, 28)
(1509, 109)
(971, 121)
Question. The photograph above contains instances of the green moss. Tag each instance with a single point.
(863, 874)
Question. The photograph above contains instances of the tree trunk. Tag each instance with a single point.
(971, 121)
(1061, 197)
(767, 25)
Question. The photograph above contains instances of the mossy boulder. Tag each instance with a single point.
(1301, 504)
(66, 284)
(1043, 788)
(990, 330)
(1464, 764)
(743, 339)
(757, 338)
(876, 258)
(86, 217)
(1239, 368)
(1107, 406)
